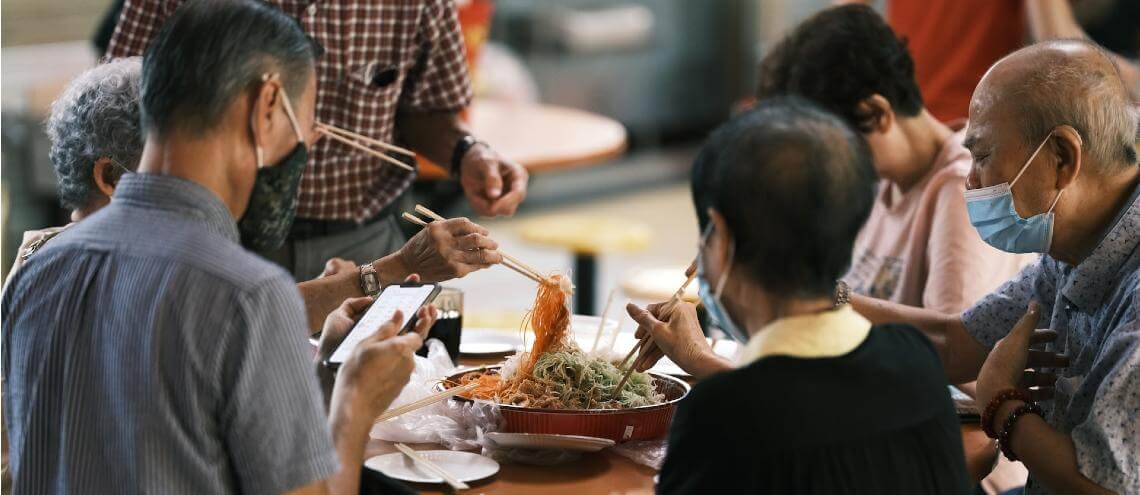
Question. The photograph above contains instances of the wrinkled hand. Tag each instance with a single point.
(676, 333)
(493, 184)
(1006, 366)
(449, 249)
(337, 265)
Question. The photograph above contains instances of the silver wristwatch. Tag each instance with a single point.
(369, 280)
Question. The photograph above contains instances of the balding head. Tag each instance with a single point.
(1064, 82)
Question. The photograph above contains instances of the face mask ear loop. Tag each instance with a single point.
(1030, 160)
(1055, 200)
(727, 269)
(292, 117)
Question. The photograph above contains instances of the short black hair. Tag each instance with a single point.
(795, 184)
(840, 57)
(209, 51)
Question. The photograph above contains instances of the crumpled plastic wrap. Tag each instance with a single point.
(645, 452)
(455, 425)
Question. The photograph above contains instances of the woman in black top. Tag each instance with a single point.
(822, 402)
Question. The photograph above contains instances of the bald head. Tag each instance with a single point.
(1063, 82)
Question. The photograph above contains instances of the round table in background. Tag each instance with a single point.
(546, 137)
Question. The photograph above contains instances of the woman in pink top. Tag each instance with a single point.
(918, 247)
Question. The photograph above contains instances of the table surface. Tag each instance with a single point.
(606, 472)
(546, 137)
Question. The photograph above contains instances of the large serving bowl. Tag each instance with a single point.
(619, 425)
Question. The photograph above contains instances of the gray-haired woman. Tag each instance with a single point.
(95, 139)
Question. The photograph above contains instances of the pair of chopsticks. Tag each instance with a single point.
(667, 311)
(433, 467)
(427, 401)
(358, 141)
(508, 260)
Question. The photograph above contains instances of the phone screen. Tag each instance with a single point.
(406, 298)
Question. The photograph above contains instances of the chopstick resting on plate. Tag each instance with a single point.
(431, 466)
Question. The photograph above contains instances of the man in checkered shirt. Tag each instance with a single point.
(394, 71)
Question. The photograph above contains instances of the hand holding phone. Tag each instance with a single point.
(408, 298)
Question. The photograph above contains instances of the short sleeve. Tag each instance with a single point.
(1108, 441)
(961, 267)
(139, 22)
(439, 81)
(991, 318)
(273, 419)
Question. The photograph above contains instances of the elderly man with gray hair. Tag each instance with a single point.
(95, 138)
(1052, 132)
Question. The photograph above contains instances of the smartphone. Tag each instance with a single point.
(408, 298)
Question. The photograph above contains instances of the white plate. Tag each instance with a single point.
(464, 466)
(538, 441)
(489, 342)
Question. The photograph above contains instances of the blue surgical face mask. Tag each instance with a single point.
(993, 215)
(711, 299)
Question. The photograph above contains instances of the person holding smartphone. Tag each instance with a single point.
(144, 349)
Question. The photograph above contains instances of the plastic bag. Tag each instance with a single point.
(455, 425)
(645, 452)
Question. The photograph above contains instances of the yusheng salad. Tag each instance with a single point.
(555, 373)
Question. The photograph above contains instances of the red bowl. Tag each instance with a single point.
(619, 425)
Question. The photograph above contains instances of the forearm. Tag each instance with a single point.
(350, 435)
(709, 365)
(961, 355)
(432, 134)
(323, 295)
(1048, 454)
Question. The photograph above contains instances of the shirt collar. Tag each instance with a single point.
(170, 193)
(1092, 277)
(819, 335)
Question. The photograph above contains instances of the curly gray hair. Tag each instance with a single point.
(96, 117)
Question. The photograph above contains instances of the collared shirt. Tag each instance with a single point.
(146, 352)
(826, 334)
(379, 58)
(1092, 307)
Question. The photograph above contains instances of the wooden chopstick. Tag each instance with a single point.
(427, 401)
(519, 265)
(667, 311)
(431, 466)
(366, 149)
(414, 219)
(361, 137)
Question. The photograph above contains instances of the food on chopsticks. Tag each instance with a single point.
(555, 373)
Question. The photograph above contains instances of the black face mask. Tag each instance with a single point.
(273, 201)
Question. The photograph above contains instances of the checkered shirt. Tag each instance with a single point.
(379, 57)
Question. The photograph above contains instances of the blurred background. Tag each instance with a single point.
(605, 101)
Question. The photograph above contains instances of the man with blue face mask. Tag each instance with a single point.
(1052, 132)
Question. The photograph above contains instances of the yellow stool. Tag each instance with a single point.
(658, 284)
(587, 237)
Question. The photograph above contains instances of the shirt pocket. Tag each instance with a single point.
(372, 94)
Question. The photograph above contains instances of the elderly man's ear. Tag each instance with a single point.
(106, 175)
(1066, 146)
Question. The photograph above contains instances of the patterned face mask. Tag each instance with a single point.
(273, 203)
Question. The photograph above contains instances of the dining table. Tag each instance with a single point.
(611, 473)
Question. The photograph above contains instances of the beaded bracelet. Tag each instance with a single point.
(996, 402)
(1006, 436)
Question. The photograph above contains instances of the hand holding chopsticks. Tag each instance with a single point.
(508, 260)
(664, 314)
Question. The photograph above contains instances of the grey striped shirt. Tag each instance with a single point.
(146, 352)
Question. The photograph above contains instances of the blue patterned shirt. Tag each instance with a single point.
(1093, 308)
(146, 352)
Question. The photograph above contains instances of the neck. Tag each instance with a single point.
(758, 316)
(926, 136)
(205, 160)
(1090, 210)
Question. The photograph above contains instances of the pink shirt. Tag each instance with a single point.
(918, 248)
